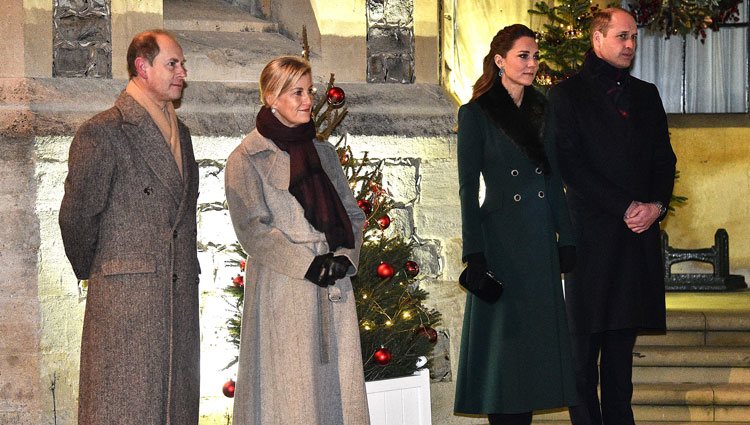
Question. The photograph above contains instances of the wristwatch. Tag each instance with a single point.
(662, 208)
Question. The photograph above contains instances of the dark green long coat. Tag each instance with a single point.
(515, 354)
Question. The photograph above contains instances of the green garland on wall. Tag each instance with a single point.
(683, 17)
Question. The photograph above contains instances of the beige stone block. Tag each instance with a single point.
(690, 338)
(728, 338)
(673, 413)
(38, 39)
(11, 44)
(129, 17)
(424, 148)
(727, 321)
(692, 356)
(426, 39)
(681, 374)
(732, 395)
(673, 394)
(736, 414)
(678, 320)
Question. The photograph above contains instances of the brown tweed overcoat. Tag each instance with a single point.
(300, 360)
(128, 225)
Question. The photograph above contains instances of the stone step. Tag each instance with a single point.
(212, 15)
(60, 105)
(680, 403)
(678, 374)
(235, 56)
(700, 356)
(696, 338)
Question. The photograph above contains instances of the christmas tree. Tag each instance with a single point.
(563, 39)
(397, 331)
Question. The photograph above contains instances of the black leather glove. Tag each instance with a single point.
(476, 267)
(567, 255)
(318, 272)
(339, 265)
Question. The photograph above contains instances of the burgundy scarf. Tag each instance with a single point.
(613, 81)
(308, 182)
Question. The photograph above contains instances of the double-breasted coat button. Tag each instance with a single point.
(174, 277)
(516, 197)
(514, 172)
(174, 234)
(538, 170)
(541, 194)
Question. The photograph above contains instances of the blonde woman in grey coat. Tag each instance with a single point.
(296, 217)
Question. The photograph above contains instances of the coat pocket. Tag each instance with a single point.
(129, 264)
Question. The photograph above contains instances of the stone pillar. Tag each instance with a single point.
(82, 38)
(129, 17)
(26, 45)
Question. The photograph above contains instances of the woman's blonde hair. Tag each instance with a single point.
(279, 74)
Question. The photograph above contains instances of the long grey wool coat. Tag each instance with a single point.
(300, 360)
(128, 225)
(515, 353)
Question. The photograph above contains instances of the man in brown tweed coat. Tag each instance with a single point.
(128, 225)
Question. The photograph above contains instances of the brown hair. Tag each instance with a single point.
(144, 45)
(281, 73)
(601, 19)
(500, 45)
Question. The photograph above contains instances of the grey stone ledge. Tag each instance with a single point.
(57, 106)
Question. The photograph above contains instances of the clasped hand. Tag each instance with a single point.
(326, 269)
(641, 215)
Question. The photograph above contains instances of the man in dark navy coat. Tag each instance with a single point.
(618, 167)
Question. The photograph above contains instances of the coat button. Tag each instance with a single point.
(541, 194)
(516, 197)
(538, 170)
(174, 277)
(174, 234)
(514, 173)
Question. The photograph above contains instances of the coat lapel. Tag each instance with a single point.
(272, 162)
(145, 136)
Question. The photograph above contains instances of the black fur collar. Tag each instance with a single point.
(523, 125)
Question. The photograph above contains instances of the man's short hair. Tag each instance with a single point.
(601, 19)
(144, 45)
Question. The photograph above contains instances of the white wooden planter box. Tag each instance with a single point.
(400, 401)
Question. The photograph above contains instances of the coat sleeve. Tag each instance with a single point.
(252, 220)
(664, 160)
(555, 191)
(470, 153)
(91, 165)
(356, 216)
(576, 168)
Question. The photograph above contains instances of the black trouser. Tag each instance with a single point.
(510, 418)
(614, 349)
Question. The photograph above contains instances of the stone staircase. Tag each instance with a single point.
(225, 43)
(697, 374)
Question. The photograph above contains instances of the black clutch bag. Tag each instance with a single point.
(488, 288)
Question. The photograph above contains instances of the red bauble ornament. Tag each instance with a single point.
(383, 356)
(384, 222)
(228, 388)
(242, 265)
(336, 97)
(385, 270)
(365, 206)
(428, 332)
(412, 268)
(238, 281)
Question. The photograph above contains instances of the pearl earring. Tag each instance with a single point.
(273, 110)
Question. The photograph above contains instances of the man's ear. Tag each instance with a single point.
(141, 65)
(597, 38)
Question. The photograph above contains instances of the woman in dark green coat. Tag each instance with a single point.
(515, 352)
